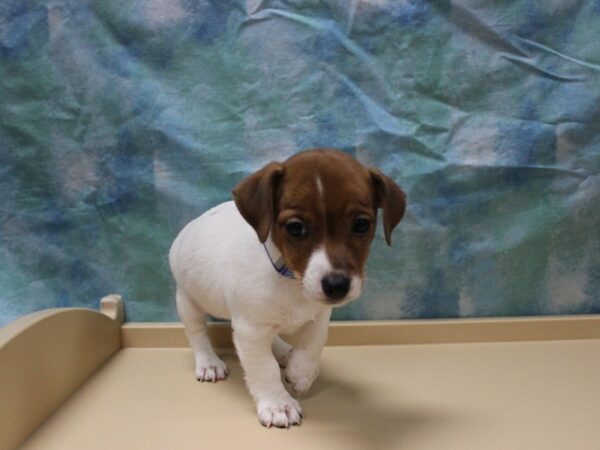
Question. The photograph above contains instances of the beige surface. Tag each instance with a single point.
(441, 331)
(44, 357)
(529, 395)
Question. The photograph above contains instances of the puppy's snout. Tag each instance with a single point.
(335, 285)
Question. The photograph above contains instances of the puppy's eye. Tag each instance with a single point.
(361, 225)
(295, 228)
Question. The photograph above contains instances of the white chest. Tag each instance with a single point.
(279, 304)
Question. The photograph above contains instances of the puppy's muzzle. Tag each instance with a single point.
(335, 285)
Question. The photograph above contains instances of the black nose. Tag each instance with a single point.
(335, 285)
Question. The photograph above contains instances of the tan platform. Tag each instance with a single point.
(540, 391)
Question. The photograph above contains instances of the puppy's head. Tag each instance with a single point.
(320, 208)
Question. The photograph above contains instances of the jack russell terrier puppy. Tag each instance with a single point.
(276, 261)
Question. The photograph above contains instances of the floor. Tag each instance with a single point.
(530, 396)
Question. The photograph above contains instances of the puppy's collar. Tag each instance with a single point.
(277, 260)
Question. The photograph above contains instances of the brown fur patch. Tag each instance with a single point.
(269, 198)
(347, 192)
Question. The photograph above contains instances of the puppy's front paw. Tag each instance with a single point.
(210, 369)
(280, 413)
(301, 372)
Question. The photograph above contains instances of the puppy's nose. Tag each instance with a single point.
(335, 285)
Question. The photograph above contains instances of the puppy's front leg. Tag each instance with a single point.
(274, 405)
(303, 366)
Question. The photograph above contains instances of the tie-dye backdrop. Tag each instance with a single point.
(123, 120)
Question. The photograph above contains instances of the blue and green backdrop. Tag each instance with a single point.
(122, 121)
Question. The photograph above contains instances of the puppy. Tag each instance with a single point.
(276, 261)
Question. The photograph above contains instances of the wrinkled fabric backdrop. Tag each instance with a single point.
(122, 121)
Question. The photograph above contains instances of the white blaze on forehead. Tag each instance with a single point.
(320, 186)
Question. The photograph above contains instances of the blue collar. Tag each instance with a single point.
(277, 260)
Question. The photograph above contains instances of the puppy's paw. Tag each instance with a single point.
(211, 369)
(301, 372)
(280, 413)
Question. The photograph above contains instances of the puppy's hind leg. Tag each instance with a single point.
(208, 365)
(281, 350)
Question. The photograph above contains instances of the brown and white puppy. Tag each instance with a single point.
(292, 246)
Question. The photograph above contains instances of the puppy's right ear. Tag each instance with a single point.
(255, 198)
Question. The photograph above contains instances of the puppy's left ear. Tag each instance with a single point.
(391, 199)
(255, 198)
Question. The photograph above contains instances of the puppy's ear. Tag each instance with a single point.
(255, 198)
(391, 199)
